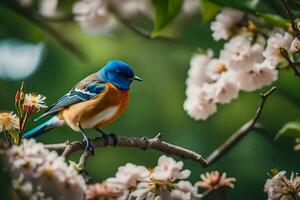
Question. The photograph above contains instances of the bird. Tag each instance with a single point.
(93, 103)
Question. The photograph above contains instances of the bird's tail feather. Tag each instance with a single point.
(43, 128)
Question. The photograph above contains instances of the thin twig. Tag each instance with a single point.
(239, 134)
(206, 194)
(37, 19)
(138, 31)
(154, 143)
(291, 18)
(293, 65)
(83, 159)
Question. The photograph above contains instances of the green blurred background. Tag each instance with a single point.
(156, 103)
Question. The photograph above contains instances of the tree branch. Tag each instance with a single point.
(239, 134)
(154, 143)
(37, 19)
(157, 144)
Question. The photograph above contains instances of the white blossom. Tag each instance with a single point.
(226, 88)
(35, 100)
(183, 190)
(157, 190)
(295, 46)
(202, 103)
(225, 21)
(190, 7)
(198, 66)
(106, 190)
(240, 54)
(48, 8)
(26, 189)
(29, 155)
(8, 121)
(162, 181)
(51, 166)
(45, 170)
(93, 16)
(274, 186)
(262, 74)
(168, 168)
(272, 52)
(282, 188)
(215, 68)
(154, 190)
(200, 100)
(133, 8)
(129, 175)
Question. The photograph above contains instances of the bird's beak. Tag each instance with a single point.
(137, 78)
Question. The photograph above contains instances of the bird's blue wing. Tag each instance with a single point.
(77, 94)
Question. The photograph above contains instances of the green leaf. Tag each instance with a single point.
(290, 129)
(252, 6)
(208, 10)
(165, 13)
(14, 136)
(274, 20)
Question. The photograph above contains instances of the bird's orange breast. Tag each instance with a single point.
(97, 112)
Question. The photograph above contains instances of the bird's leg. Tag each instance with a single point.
(104, 136)
(107, 136)
(88, 144)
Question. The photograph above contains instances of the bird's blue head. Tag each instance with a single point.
(118, 73)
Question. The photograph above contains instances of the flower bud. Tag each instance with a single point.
(17, 97)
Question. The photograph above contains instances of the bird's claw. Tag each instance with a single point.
(146, 140)
(114, 139)
(106, 137)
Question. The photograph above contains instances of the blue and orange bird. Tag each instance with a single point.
(94, 102)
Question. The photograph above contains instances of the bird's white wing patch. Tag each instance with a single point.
(106, 114)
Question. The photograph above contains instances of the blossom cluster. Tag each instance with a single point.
(165, 181)
(280, 187)
(40, 173)
(249, 61)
